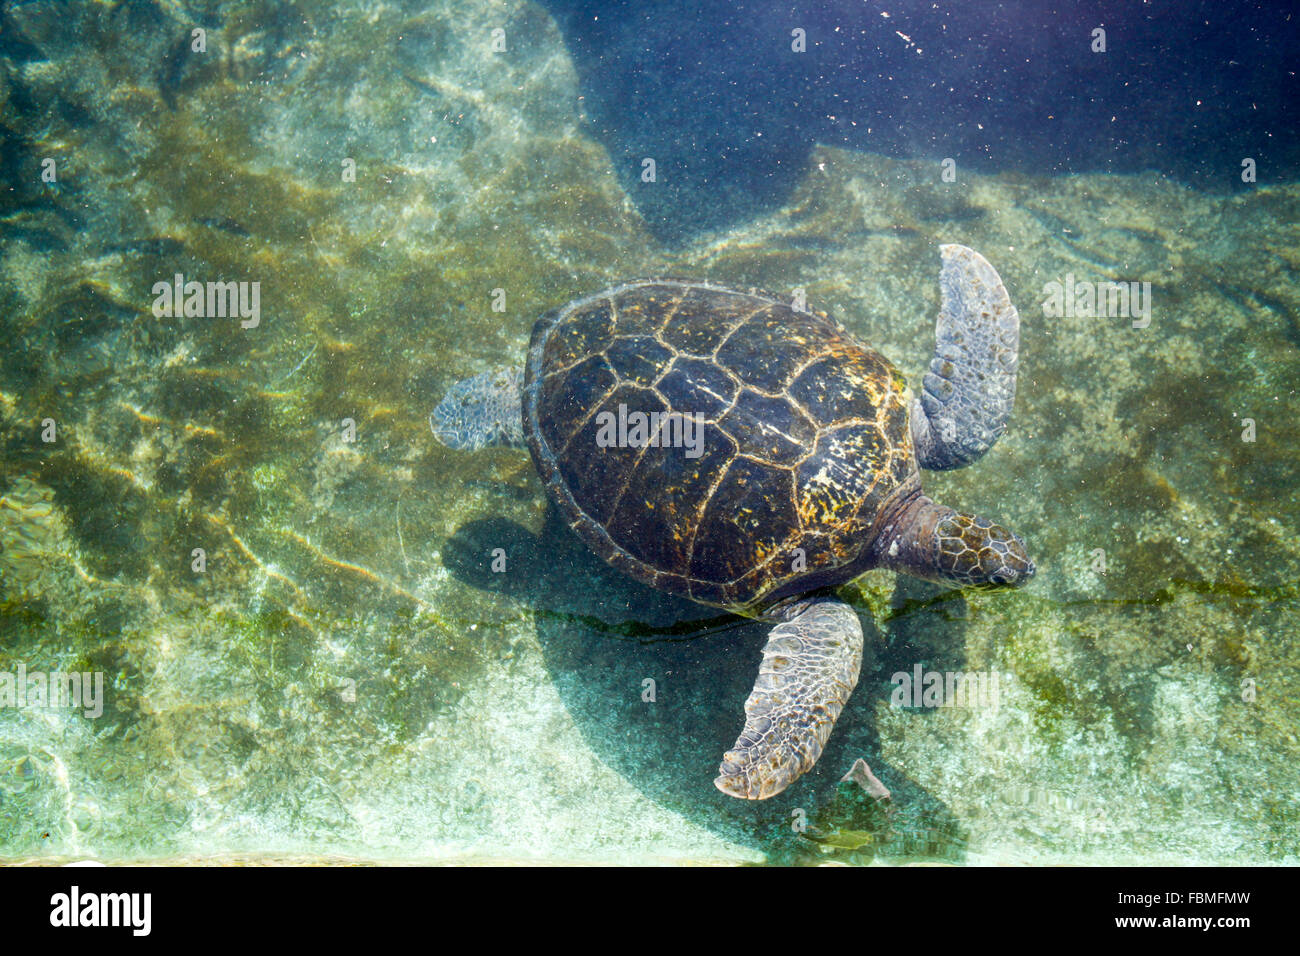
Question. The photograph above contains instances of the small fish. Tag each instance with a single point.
(158, 246)
(225, 224)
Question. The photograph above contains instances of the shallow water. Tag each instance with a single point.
(348, 677)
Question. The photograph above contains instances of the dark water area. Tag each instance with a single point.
(717, 95)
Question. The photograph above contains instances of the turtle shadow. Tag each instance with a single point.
(926, 626)
(656, 686)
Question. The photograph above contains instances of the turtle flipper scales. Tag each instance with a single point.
(481, 411)
(971, 385)
(810, 667)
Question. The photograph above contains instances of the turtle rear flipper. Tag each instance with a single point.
(810, 667)
(971, 385)
(481, 411)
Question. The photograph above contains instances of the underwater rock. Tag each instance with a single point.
(33, 540)
(861, 774)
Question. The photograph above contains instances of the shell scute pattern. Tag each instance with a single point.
(769, 429)
(582, 387)
(638, 358)
(748, 520)
(672, 487)
(805, 436)
(846, 466)
(698, 383)
(700, 323)
(572, 342)
(767, 349)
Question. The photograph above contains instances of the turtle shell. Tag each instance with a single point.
(788, 440)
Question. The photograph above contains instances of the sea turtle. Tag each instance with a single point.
(730, 448)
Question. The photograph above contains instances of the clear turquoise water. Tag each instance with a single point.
(349, 678)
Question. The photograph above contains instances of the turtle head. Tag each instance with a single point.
(950, 547)
(974, 552)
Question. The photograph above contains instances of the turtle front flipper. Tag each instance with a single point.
(481, 411)
(971, 385)
(810, 667)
